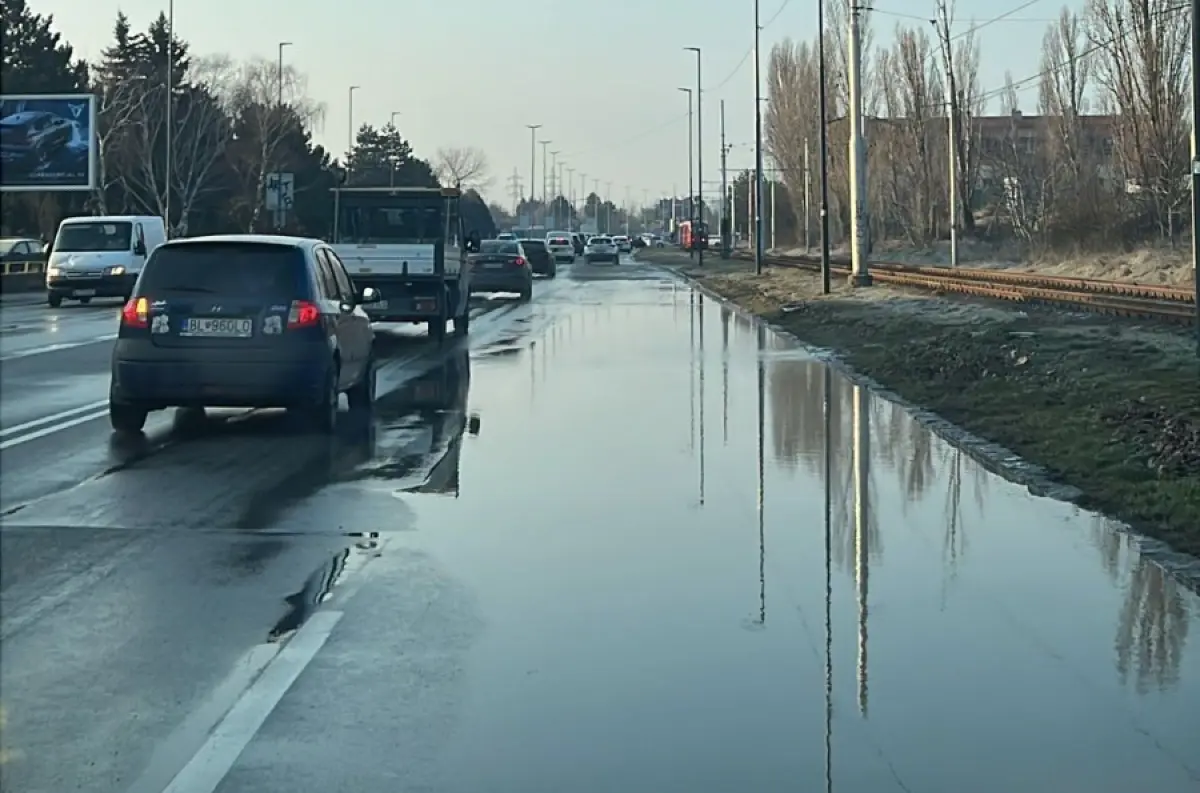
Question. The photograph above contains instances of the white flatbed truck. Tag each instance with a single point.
(410, 245)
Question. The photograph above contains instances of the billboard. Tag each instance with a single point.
(48, 142)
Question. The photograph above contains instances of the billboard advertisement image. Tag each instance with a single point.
(48, 142)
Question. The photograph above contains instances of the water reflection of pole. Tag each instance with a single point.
(828, 466)
(762, 479)
(725, 315)
(862, 458)
(700, 322)
(692, 371)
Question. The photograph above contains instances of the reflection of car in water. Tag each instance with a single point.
(420, 428)
(33, 137)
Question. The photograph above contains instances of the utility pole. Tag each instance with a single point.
(691, 181)
(758, 149)
(724, 221)
(555, 189)
(807, 200)
(533, 128)
(943, 26)
(699, 150)
(774, 179)
(570, 198)
(826, 287)
(170, 112)
(860, 274)
(1196, 160)
(608, 208)
(545, 178)
(280, 212)
(514, 190)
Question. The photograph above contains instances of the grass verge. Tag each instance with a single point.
(1108, 406)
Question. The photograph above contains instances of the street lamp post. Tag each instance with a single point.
(758, 157)
(350, 128)
(554, 186)
(545, 178)
(691, 183)
(392, 157)
(533, 128)
(824, 124)
(279, 210)
(170, 112)
(700, 142)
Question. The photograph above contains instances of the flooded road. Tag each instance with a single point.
(624, 539)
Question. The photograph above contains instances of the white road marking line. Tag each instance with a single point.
(205, 771)
(28, 425)
(53, 428)
(65, 345)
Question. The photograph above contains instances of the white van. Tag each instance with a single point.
(100, 256)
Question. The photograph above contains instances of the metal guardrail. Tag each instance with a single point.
(23, 268)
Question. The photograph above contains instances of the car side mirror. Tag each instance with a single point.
(473, 242)
(139, 249)
(46, 249)
(369, 294)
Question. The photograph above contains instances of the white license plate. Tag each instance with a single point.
(218, 327)
(84, 293)
(493, 265)
(378, 305)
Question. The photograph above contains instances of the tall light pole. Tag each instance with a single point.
(279, 211)
(533, 128)
(392, 158)
(691, 183)
(545, 179)
(554, 186)
(350, 127)
(824, 124)
(699, 143)
(170, 113)
(570, 197)
(758, 156)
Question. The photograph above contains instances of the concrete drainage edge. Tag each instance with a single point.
(992, 456)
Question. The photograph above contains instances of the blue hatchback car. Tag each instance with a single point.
(243, 321)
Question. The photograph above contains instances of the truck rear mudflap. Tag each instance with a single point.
(405, 299)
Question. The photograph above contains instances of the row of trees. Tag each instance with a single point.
(232, 125)
(1102, 161)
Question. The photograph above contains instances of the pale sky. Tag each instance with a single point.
(602, 77)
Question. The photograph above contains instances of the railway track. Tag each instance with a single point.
(1115, 298)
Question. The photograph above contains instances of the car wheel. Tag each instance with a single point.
(527, 294)
(85, 300)
(463, 324)
(362, 396)
(54, 300)
(553, 272)
(322, 416)
(437, 329)
(126, 418)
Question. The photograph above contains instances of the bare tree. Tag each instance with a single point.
(464, 167)
(267, 104)
(119, 103)
(201, 133)
(1142, 65)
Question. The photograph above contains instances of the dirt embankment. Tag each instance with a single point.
(1110, 407)
(1161, 265)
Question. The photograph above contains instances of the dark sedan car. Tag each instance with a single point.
(502, 266)
(33, 137)
(243, 321)
(540, 258)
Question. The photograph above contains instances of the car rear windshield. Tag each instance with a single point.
(600, 241)
(94, 237)
(560, 241)
(533, 243)
(244, 269)
(500, 246)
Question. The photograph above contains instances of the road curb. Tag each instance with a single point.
(995, 458)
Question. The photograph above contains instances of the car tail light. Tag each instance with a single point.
(136, 313)
(303, 314)
(519, 261)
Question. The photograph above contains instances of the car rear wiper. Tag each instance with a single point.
(194, 289)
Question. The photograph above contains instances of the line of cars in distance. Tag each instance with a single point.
(568, 246)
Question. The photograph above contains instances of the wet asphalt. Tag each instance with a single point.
(596, 548)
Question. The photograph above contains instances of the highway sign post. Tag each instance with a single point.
(48, 142)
